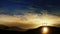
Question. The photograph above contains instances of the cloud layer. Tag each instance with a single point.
(30, 20)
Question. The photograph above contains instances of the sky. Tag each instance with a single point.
(18, 7)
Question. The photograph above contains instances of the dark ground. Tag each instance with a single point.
(53, 30)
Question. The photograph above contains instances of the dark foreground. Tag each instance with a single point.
(53, 30)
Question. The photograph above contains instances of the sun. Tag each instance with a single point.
(45, 30)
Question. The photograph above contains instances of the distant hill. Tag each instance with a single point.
(13, 28)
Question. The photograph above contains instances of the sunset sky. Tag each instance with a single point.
(11, 11)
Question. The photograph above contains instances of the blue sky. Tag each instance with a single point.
(19, 6)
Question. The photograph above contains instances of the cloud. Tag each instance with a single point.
(16, 11)
(28, 18)
(25, 15)
(22, 22)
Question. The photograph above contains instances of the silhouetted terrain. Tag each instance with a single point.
(14, 30)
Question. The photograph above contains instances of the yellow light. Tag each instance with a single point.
(45, 30)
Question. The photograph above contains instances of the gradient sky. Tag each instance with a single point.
(35, 6)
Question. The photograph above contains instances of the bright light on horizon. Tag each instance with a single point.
(45, 30)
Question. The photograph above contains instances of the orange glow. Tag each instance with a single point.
(45, 30)
(30, 21)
